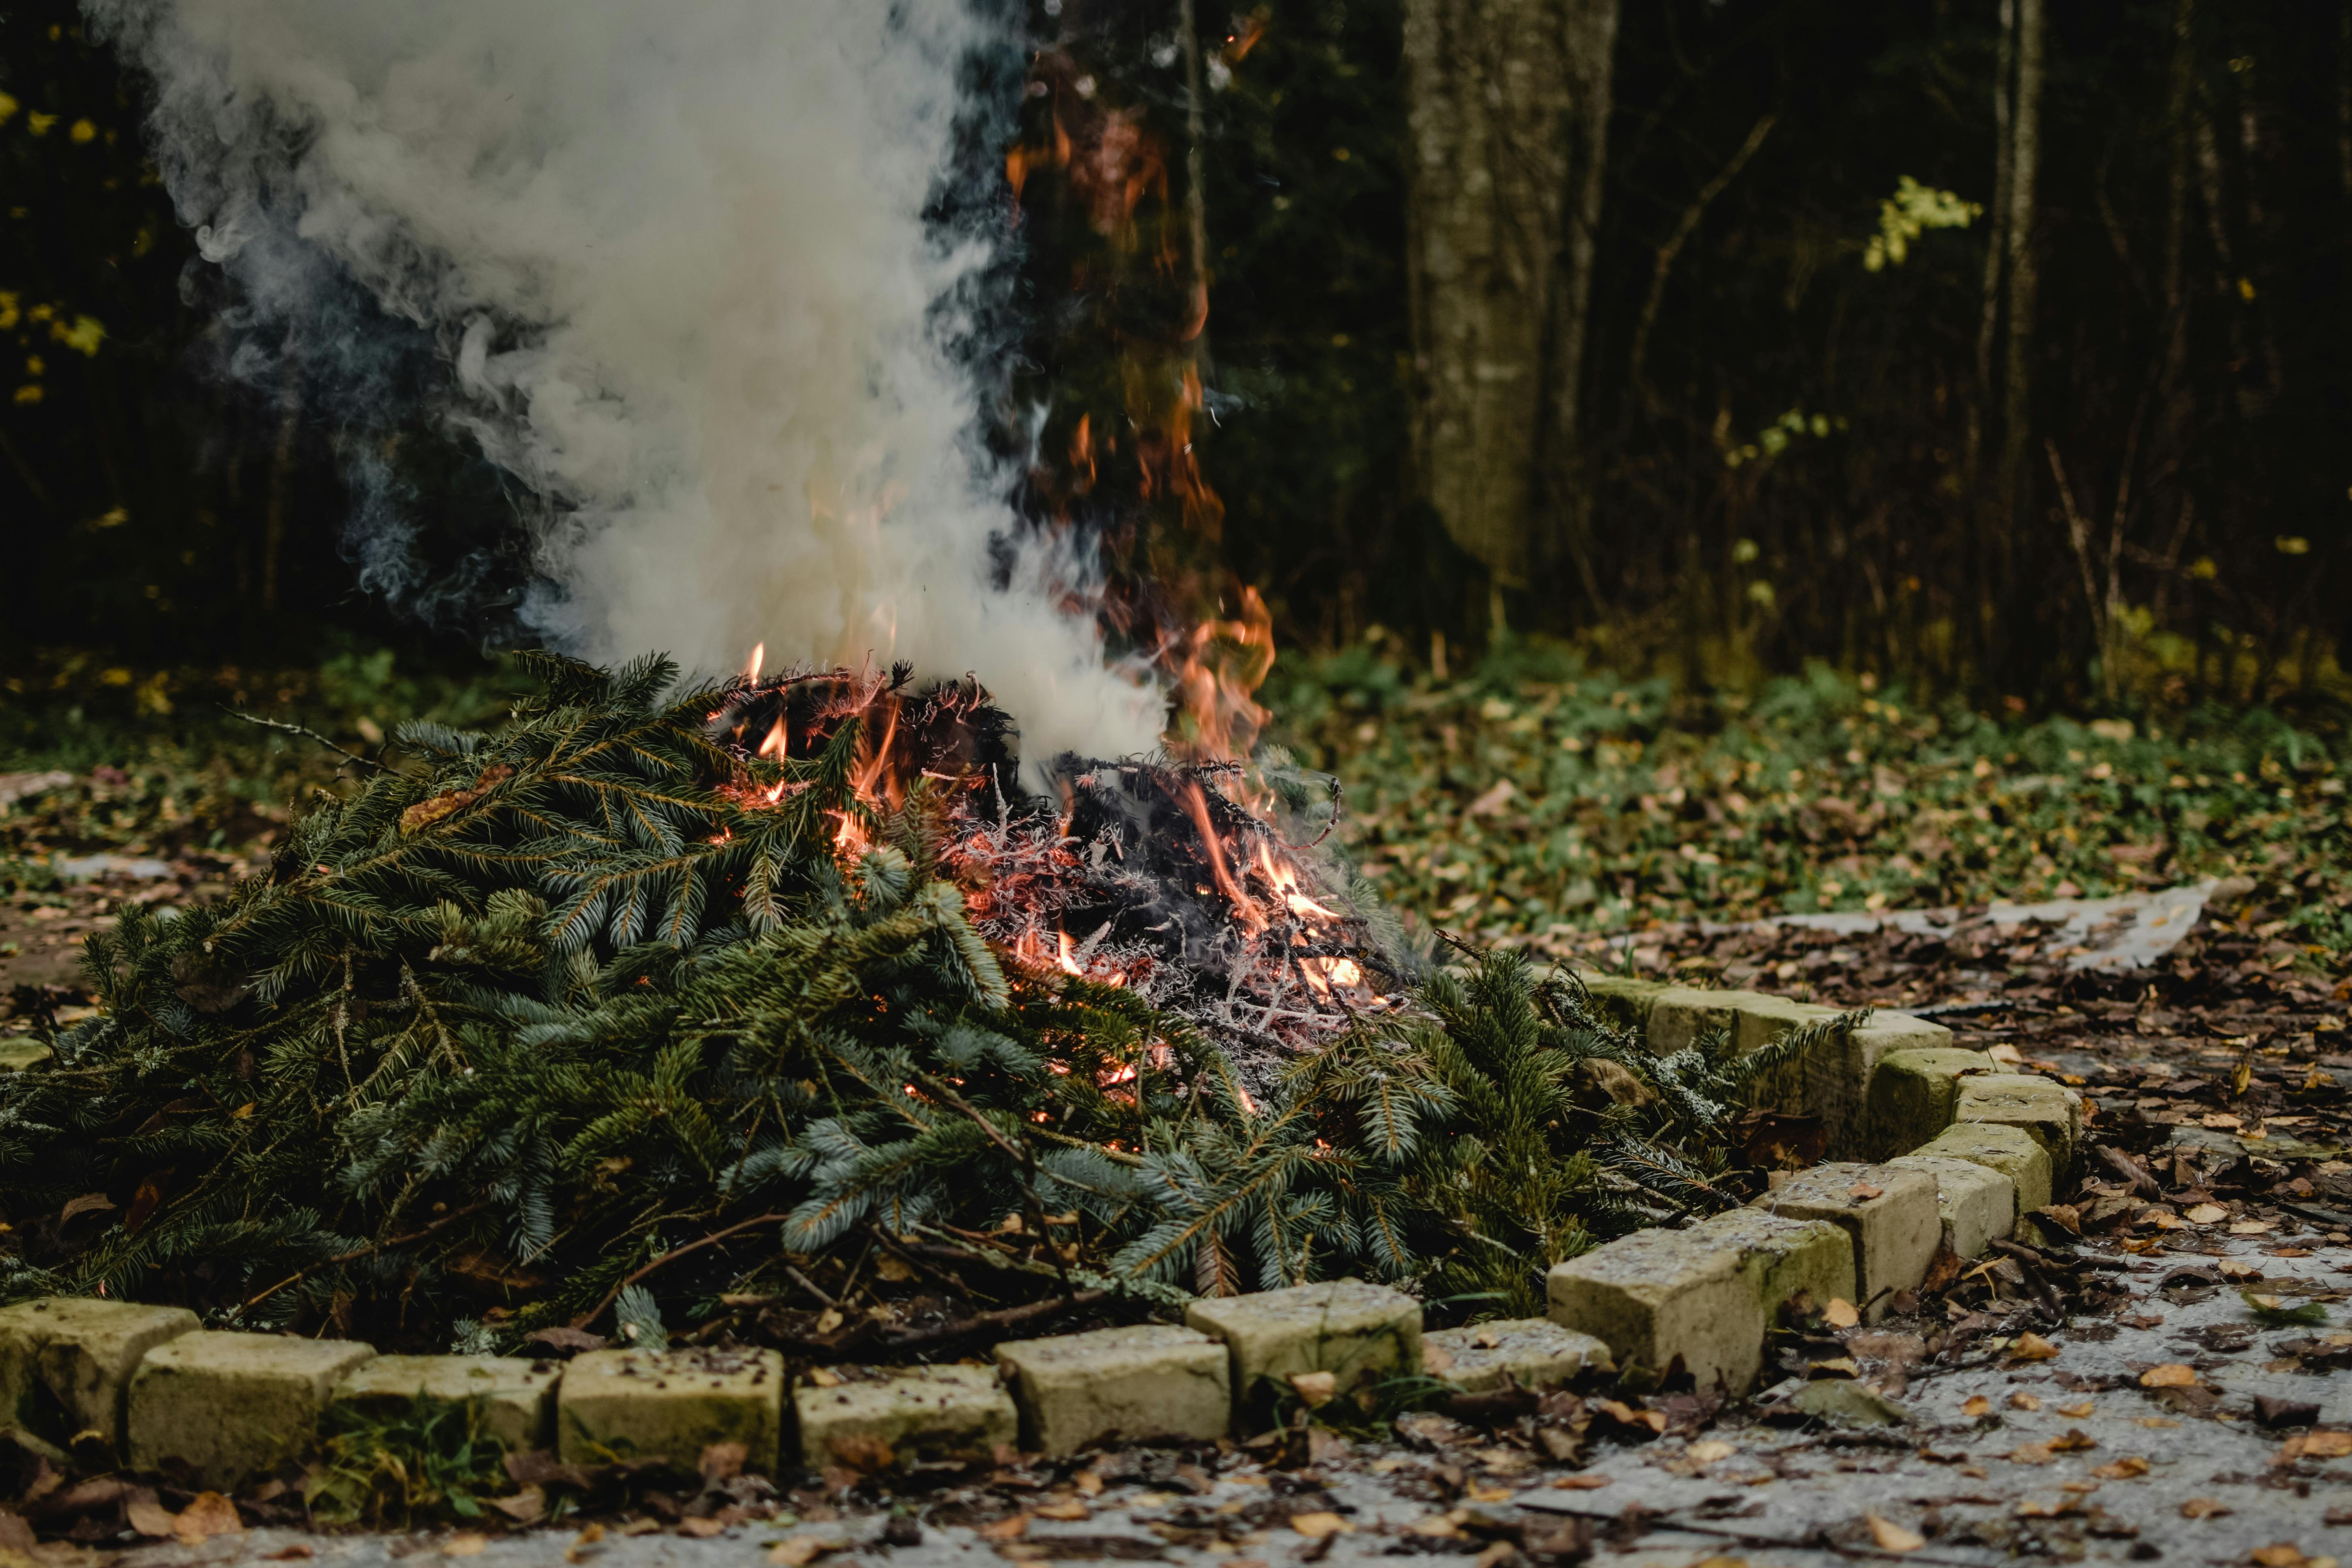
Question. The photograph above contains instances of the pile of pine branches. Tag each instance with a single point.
(567, 1022)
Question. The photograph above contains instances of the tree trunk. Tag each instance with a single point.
(1507, 103)
(2016, 389)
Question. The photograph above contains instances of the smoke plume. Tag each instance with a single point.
(672, 264)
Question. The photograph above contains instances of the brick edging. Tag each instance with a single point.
(1936, 1146)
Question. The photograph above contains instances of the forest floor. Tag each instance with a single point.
(2161, 1378)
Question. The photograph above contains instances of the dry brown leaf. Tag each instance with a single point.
(1708, 1452)
(1436, 1526)
(2006, 1054)
(2205, 1508)
(1841, 1313)
(207, 1514)
(1316, 1388)
(1892, 1537)
(147, 1516)
(1580, 1483)
(824, 1377)
(2171, 1374)
(1436, 1360)
(2021, 1400)
(2077, 1410)
(1316, 1526)
(2073, 1440)
(703, 1528)
(1008, 1529)
(2221, 1121)
(584, 1543)
(1978, 1404)
(2279, 1554)
(1626, 1416)
(1067, 1511)
(2122, 1469)
(292, 1551)
(2327, 1445)
(2031, 1454)
(2032, 1347)
(2250, 1228)
(466, 1543)
(2206, 1214)
(1865, 1192)
(1088, 1482)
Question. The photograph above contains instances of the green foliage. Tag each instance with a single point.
(1630, 800)
(427, 1463)
(2272, 1313)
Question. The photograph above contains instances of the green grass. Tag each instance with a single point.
(1628, 802)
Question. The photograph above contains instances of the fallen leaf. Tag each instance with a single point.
(207, 1514)
(1841, 1313)
(1009, 1529)
(1436, 1360)
(2006, 1055)
(292, 1551)
(2073, 1440)
(1978, 1404)
(528, 1506)
(2030, 1454)
(2156, 1423)
(1580, 1483)
(702, 1528)
(2021, 1400)
(147, 1516)
(1490, 1494)
(1436, 1526)
(466, 1543)
(2122, 1469)
(1708, 1452)
(2325, 1444)
(1892, 1537)
(1865, 1192)
(1837, 1366)
(2279, 1555)
(2221, 1121)
(2250, 1228)
(2032, 1347)
(2205, 1508)
(1316, 1526)
(2078, 1410)
(1626, 1416)
(2235, 1269)
(2065, 1217)
(583, 1544)
(2171, 1374)
(1316, 1388)
(1071, 1510)
(2206, 1214)
(1088, 1482)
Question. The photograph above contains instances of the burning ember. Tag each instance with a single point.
(1168, 879)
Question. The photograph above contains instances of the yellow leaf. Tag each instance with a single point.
(39, 123)
(1978, 1404)
(83, 131)
(8, 107)
(1892, 1537)
(1316, 1526)
(2032, 1347)
(1841, 1314)
(2203, 1508)
(2172, 1375)
(30, 393)
(34, 364)
(2021, 1400)
(84, 336)
(2123, 1469)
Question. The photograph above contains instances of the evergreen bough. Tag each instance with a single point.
(539, 1009)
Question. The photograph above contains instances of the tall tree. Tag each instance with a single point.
(1508, 104)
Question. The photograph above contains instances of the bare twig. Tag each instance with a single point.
(996, 1321)
(308, 733)
(613, 1295)
(359, 1252)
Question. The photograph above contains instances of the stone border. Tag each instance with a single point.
(1938, 1150)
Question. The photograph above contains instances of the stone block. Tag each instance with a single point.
(1622, 999)
(2011, 1151)
(518, 1396)
(1889, 1212)
(1152, 1380)
(1359, 1332)
(1535, 1352)
(232, 1406)
(66, 1362)
(1702, 1296)
(922, 1413)
(1914, 1094)
(2050, 1114)
(670, 1405)
(1976, 1203)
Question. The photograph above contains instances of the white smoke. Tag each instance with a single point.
(675, 257)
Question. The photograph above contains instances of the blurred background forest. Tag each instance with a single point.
(1993, 353)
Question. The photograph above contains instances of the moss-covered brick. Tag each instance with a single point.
(925, 1413)
(1151, 1380)
(1977, 1203)
(1890, 1212)
(518, 1396)
(232, 1406)
(1359, 1332)
(1701, 1297)
(2050, 1113)
(66, 1362)
(1534, 1352)
(1913, 1095)
(1997, 1146)
(670, 1405)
